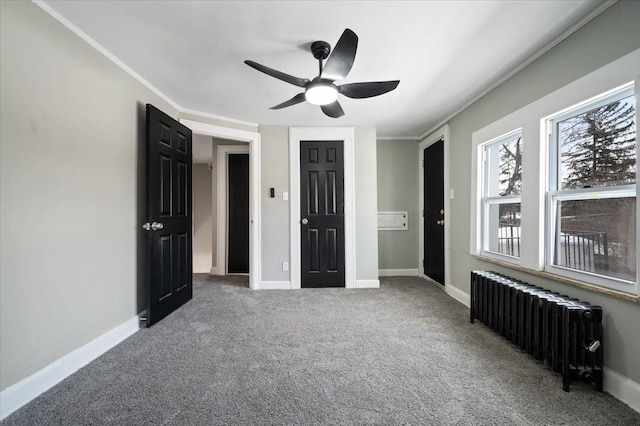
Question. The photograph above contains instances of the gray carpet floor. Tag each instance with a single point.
(404, 354)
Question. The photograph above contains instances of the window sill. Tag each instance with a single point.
(575, 283)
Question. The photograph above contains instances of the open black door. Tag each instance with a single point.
(322, 214)
(169, 214)
(434, 211)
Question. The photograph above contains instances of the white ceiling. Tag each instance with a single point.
(445, 53)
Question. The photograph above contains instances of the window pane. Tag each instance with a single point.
(503, 233)
(597, 148)
(504, 167)
(598, 236)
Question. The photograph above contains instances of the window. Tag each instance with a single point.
(501, 189)
(591, 202)
(564, 204)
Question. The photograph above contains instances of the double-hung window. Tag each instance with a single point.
(501, 189)
(591, 202)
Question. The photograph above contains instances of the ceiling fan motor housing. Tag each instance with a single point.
(320, 49)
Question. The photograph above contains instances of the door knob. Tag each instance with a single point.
(152, 226)
(304, 221)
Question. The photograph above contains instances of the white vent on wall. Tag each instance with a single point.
(393, 221)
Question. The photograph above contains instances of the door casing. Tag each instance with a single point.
(346, 135)
(440, 134)
(253, 138)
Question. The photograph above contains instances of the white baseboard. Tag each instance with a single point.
(286, 285)
(17, 395)
(458, 294)
(398, 273)
(619, 386)
(367, 284)
(622, 388)
(275, 285)
(213, 270)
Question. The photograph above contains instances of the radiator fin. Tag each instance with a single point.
(562, 332)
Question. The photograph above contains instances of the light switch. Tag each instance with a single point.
(285, 196)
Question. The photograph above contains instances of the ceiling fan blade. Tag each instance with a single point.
(295, 100)
(341, 59)
(368, 89)
(296, 81)
(333, 109)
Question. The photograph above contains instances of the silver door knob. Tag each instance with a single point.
(156, 225)
(304, 221)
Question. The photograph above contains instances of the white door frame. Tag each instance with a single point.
(222, 203)
(253, 138)
(346, 135)
(440, 134)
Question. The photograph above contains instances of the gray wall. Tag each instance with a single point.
(202, 218)
(274, 165)
(611, 35)
(398, 191)
(275, 212)
(71, 169)
(366, 204)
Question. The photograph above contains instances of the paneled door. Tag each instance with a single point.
(238, 214)
(322, 214)
(169, 215)
(433, 262)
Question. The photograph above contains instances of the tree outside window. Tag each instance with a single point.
(502, 187)
(595, 200)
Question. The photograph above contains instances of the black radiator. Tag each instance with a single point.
(565, 333)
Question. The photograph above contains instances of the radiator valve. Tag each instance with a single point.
(594, 346)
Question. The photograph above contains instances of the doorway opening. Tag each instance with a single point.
(250, 143)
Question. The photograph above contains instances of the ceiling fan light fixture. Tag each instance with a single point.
(321, 90)
(321, 93)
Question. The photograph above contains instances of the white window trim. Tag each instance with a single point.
(488, 201)
(532, 119)
(582, 194)
(554, 194)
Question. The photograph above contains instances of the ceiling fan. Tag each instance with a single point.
(322, 89)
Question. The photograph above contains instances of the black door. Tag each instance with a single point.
(322, 213)
(434, 211)
(238, 233)
(169, 214)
